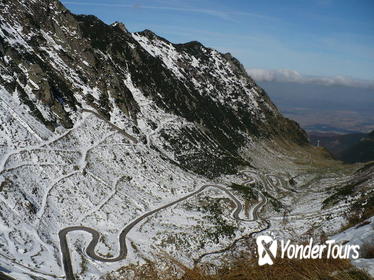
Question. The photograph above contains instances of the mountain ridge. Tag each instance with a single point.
(185, 94)
(146, 145)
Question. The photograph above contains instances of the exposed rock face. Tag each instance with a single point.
(57, 63)
(130, 137)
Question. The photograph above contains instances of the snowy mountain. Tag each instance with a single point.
(57, 64)
(145, 145)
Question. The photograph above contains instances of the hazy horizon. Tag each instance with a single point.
(343, 109)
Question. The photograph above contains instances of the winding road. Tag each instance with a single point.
(255, 216)
(90, 249)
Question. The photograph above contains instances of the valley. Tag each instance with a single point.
(275, 204)
(116, 147)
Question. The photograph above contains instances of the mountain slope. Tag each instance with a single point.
(363, 151)
(349, 148)
(58, 63)
(134, 145)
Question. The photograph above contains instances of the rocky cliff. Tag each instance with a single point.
(115, 146)
(58, 63)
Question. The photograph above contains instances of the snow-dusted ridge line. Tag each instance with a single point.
(122, 98)
(165, 51)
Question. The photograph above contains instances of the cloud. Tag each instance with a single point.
(226, 15)
(286, 75)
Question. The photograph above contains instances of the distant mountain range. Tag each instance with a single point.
(350, 148)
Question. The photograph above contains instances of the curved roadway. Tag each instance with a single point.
(90, 249)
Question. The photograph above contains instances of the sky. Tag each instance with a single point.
(319, 38)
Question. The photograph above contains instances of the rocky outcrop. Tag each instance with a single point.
(58, 63)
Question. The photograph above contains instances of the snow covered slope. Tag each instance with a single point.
(57, 63)
(362, 235)
(139, 141)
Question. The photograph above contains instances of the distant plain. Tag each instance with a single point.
(324, 108)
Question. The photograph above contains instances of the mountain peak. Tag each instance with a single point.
(84, 63)
(128, 133)
(120, 25)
